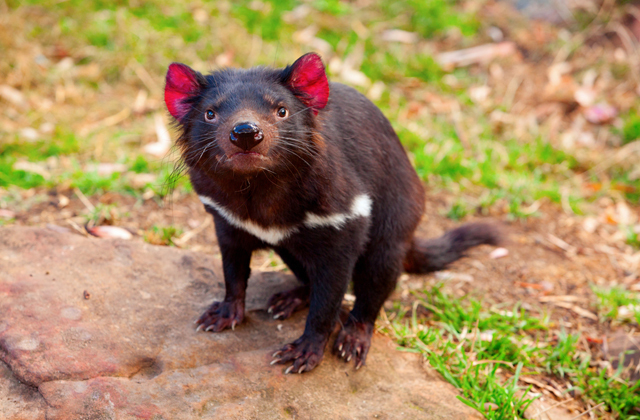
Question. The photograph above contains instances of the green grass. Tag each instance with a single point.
(631, 127)
(162, 235)
(476, 366)
(633, 237)
(483, 352)
(612, 300)
(490, 167)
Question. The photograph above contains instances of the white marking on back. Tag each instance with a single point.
(271, 235)
(361, 207)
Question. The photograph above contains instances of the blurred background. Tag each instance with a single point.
(508, 106)
(524, 111)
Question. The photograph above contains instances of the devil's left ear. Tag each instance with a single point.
(182, 83)
(307, 80)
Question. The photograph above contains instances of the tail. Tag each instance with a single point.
(425, 256)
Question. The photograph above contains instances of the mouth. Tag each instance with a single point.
(246, 155)
(246, 161)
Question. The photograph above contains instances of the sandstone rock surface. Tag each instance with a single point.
(103, 329)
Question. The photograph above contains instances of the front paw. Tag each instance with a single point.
(306, 353)
(354, 340)
(221, 315)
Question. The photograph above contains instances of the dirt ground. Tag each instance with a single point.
(553, 258)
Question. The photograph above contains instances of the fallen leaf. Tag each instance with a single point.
(36, 168)
(7, 214)
(540, 409)
(106, 169)
(594, 340)
(480, 54)
(109, 232)
(490, 406)
(29, 134)
(541, 385)
(578, 310)
(13, 96)
(451, 276)
(590, 224)
(560, 298)
(600, 113)
(499, 253)
(398, 35)
(585, 96)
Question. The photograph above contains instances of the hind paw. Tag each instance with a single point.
(283, 305)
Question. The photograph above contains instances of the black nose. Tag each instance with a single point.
(246, 135)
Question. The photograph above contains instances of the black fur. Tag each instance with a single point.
(314, 161)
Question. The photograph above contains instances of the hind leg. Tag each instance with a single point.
(284, 304)
(374, 279)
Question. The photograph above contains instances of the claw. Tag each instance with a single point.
(340, 347)
(270, 310)
(358, 350)
(233, 325)
(210, 327)
(199, 327)
(349, 358)
(278, 353)
(289, 369)
(196, 321)
(276, 316)
(273, 362)
(359, 365)
(302, 368)
(343, 353)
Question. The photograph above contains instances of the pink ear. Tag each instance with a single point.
(308, 81)
(181, 83)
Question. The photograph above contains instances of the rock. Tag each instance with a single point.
(17, 400)
(103, 328)
(626, 347)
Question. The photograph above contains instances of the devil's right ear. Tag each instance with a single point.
(182, 83)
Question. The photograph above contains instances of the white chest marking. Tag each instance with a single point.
(271, 235)
(361, 207)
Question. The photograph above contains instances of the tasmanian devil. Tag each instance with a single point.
(283, 159)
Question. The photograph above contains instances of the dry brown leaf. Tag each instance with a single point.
(578, 310)
(541, 385)
(480, 54)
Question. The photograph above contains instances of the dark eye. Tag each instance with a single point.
(209, 115)
(282, 112)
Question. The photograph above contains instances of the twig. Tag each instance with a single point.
(83, 198)
(145, 77)
(187, 236)
(484, 362)
(473, 344)
(588, 411)
(77, 227)
(622, 154)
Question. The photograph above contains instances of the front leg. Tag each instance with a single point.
(229, 312)
(328, 279)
